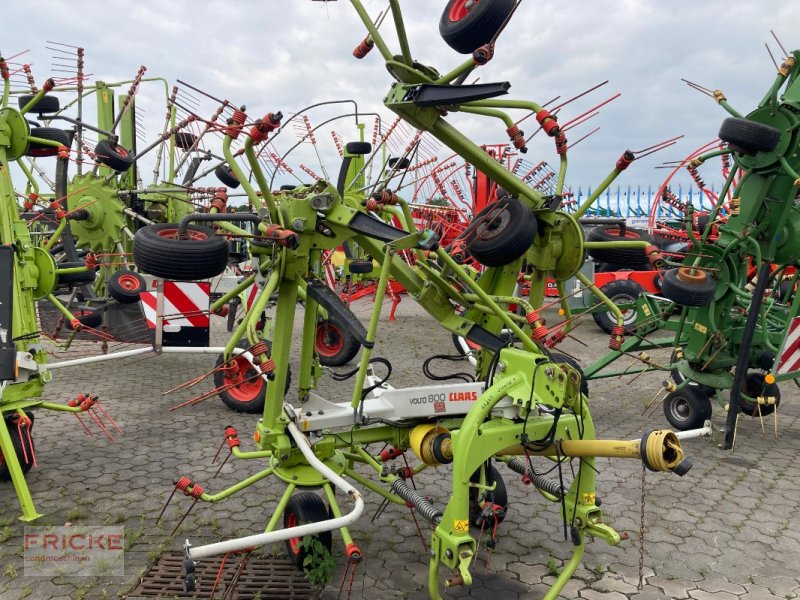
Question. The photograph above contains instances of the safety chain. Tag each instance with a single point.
(641, 532)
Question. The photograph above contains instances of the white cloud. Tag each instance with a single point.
(285, 54)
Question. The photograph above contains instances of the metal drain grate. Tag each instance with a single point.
(267, 578)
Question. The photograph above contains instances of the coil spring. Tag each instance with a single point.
(409, 494)
(550, 486)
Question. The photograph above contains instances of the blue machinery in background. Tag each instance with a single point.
(636, 202)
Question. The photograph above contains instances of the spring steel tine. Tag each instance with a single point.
(785, 53)
(579, 140)
(223, 464)
(107, 416)
(163, 510)
(63, 44)
(99, 423)
(77, 416)
(213, 460)
(659, 145)
(419, 531)
(698, 87)
(199, 91)
(192, 382)
(576, 122)
(183, 518)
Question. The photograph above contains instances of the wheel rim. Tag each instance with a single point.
(238, 377)
(120, 151)
(329, 340)
(191, 234)
(680, 409)
(460, 9)
(129, 282)
(628, 314)
(294, 542)
(494, 226)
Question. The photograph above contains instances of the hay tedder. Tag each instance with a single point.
(730, 309)
(527, 405)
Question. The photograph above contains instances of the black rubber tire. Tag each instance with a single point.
(754, 385)
(157, 251)
(687, 408)
(334, 344)
(398, 164)
(47, 104)
(88, 318)
(73, 279)
(557, 357)
(249, 397)
(287, 187)
(185, 140)
(620, 291)
(497, 496)
(506, 238)
(476, 27)
(303, 508)
(748, 137)
(359, 148)
(627, 257)
(124, 286)
(113, 156)
(47, 133)
(687, 294)
(360, 267)
(16, 442)
(227, 176)
(702, 222)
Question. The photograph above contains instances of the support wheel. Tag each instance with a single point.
(185, 140)
(748, 137)
(17, 442)
(360, 267)
(47, 133)
(157, 250)
(334, 344)
(124, 286)
(754, 386)
(245, 390)
(226, 176)
(627, 257)
(466, 25)
(113, 155)
(47, 104)
(687, 408)
(688, 288)
(304, 508)
(481, 502)
(621, 291)
(74, 279)
(504, 233)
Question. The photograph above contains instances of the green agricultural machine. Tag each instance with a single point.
(730, 309)
(527, 403)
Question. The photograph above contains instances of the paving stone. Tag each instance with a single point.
(693, 549)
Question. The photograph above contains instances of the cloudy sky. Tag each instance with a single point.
(272, 54)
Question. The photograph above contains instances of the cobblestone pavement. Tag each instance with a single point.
(724, 531)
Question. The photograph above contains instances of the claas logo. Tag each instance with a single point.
(462, 396)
